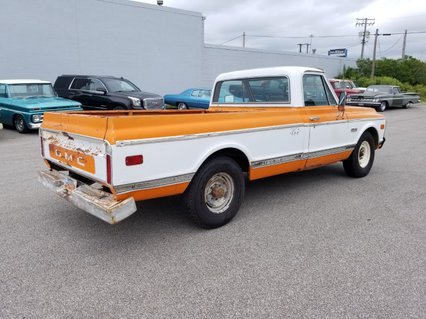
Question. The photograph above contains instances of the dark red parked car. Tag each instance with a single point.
(345, 85)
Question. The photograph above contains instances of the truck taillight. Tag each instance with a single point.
(109, 172)
(134, 160)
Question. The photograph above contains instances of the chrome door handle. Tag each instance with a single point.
(314, 118)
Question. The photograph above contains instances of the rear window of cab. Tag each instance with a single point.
(254, 90)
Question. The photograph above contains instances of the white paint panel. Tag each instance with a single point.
(186, 156)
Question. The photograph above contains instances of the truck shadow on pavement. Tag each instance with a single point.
(158, 219)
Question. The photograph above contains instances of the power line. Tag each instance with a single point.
(315, 36)
(393, 45)
(232, 39)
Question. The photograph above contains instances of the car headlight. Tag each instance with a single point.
(36, 118)
(135, 101)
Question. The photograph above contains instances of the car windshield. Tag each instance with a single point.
(119, 85)
(31, 90)
(378, 89)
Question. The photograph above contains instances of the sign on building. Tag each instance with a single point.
(338, 52)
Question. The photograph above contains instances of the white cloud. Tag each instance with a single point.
(278, 19)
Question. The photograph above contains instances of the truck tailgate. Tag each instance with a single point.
(74, 143)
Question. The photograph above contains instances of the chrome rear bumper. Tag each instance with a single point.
(92, 200)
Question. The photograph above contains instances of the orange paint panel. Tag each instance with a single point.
(84, 123)
(155, 192)
(134, 125)
(261, 172)
(72, 158)
(355, 113)
(321, 114)
(328, 159)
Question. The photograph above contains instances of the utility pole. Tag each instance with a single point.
(364, 22)
(244, 39)
(302, 44)
(404, 44)
(373, 65)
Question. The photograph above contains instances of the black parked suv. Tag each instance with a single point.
(106, 92)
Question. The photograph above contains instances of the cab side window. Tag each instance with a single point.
(270, 89)
(80, 84)
(3, 92)
(95, 85)
(87, 84)
(316, 92)
(195, 93)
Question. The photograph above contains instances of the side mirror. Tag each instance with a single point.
(342, 101)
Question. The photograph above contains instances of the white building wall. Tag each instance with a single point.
(155, 47)
(160, 49)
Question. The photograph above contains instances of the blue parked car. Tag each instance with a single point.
(189, 99)
(23, 102)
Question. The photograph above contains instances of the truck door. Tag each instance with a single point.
(328, 127)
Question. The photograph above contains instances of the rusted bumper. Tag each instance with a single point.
(90, 199)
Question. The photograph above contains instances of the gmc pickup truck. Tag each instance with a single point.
(261, 122)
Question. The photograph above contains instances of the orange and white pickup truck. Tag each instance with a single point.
(260, 123)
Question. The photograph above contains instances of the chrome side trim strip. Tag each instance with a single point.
(167, 181)
(330, 151)
(203, 135)
(224, 133)
(276, 160)
(300, 156)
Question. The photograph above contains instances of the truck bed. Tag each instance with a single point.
(115, 126)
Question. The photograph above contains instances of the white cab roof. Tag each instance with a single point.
(274, 71)
(24, 81)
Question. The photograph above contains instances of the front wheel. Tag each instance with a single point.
(182, 106)
(407, 106)
(20, 124)
(215, 193)
(361, 160)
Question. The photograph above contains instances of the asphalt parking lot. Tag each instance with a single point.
(315, 244)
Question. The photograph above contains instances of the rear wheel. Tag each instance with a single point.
(182, 106)
(215, 193)
(361, 160)
(20, 124)
(382, 107)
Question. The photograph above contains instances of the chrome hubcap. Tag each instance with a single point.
(364, 154)
(219, 192)
(19, 122)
